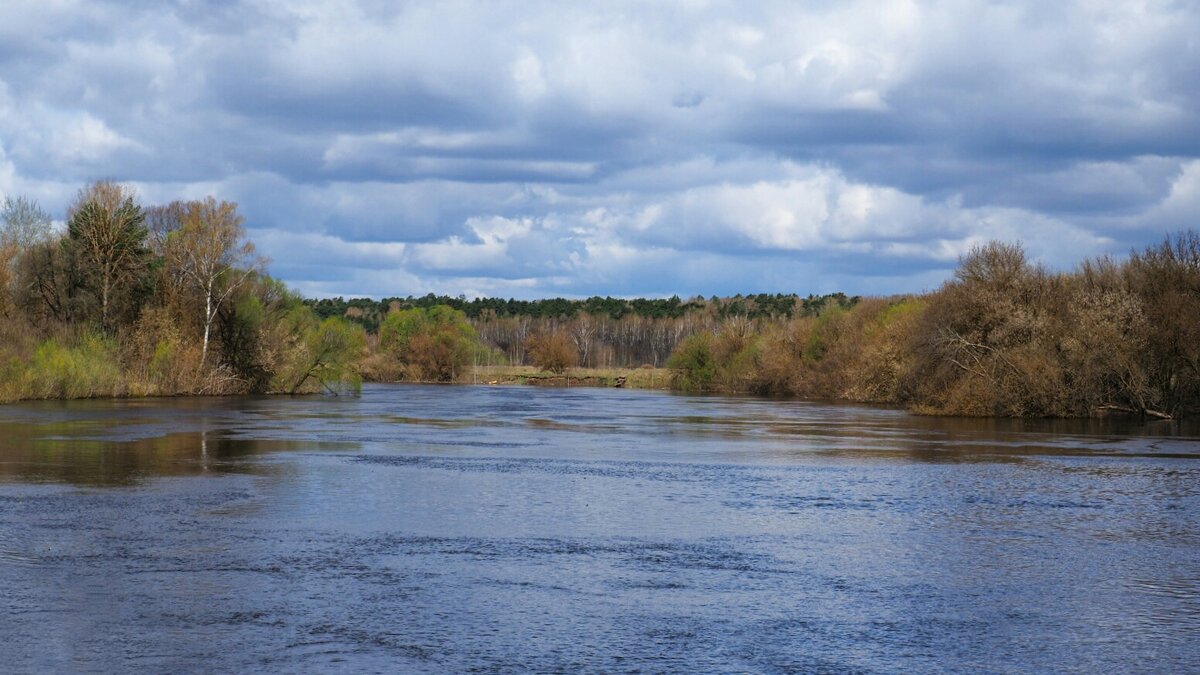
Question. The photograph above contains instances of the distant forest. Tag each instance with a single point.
(369, 313)
(606, 332)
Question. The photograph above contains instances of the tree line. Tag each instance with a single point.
(370, 313)
(1003, 337)
(154, 300)
(128, 299)
(606, 332)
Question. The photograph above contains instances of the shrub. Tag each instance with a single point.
(693, 363)
(160, 361)
(552, 351)
(89, 369)
(425, 344)
(325, 359)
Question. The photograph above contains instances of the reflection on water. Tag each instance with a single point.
(98, 462)
(510, 529)
(79, 452)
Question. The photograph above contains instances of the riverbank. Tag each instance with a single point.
(643, 378)
(621, 378)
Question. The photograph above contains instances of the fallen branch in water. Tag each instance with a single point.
(1146, 412)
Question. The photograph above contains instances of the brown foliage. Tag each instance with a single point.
(1003, 337)
(8, 265)
(162, 360)
(991, 340)
(432, 358)
(1166, 279)
(553, 351)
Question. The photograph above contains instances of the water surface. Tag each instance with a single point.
(433, 529)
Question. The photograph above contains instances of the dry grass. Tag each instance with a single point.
(634, 378)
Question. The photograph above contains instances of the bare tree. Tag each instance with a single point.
(212, 255)
(106, 228)
(583, 329)
(161, 221)
(23, 223)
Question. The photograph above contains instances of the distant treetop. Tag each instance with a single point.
(370, 313)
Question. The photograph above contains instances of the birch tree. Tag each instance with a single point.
(211, 255)
(583, 329)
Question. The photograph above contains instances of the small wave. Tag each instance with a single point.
(18, 558)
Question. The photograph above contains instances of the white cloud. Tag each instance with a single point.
(527, 75)
(8, 175)
(1180, 208)
(620, 146)
(86, 138)
(815, 220)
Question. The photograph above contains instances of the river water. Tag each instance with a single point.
(512, 529)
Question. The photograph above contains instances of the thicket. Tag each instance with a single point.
(160, 300)
(1002, 337)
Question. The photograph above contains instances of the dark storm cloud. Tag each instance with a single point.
(573, 148)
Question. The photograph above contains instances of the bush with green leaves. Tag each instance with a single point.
(88, 369)
(694, 363)
(434, 343)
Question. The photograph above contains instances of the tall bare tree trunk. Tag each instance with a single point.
(104, 302)
(208, 317)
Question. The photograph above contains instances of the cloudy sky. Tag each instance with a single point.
(629, 148)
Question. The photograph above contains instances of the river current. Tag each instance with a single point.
(515, 529)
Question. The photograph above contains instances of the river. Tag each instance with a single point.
(514, 529)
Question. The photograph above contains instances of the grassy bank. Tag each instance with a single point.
(627, 378)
